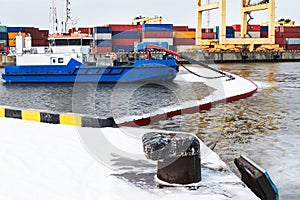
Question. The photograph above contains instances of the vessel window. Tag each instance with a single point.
(86, 42)
(60, 60)
(52, 42)
(61, 42)
(74, 42)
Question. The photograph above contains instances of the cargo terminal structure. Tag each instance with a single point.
(244, 42)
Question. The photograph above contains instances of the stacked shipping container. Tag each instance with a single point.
(207, 33)
(125, 37)
(288, 37)
(12, 32)
(230, 32)
(102, 39)
(38, 37)
(3, 39)
(253, 31)
(158, 33)
(264, 32)
(184, 38)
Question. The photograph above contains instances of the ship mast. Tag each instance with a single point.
(53, 17)
(68, 16)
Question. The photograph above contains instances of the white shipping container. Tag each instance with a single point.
(183, 48)
(103, 36)
(237, 34)
(293, 40)
(168, 40)
(253, 34)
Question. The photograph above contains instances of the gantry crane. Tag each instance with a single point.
(145, 20)
(246, 7)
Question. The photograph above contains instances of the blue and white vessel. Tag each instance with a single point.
(65, 61)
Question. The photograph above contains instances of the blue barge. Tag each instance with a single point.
(65, 62)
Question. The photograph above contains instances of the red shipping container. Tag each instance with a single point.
(184, 41)
(207, 30)
(291, 35)
(1, 46)
(237, 27)
(207, 35)
(289, 29)
(86, 30)
(293, 47)
(157, 34)
(251, 27)
(180, 28)
(192, 30)
(125, 27)
(40, 43)
(37, 34)
(101, 49)
(264, 34)
(278, 35)
(125, 41)
(281, 41)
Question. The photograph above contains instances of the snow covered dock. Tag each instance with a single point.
(47, 161)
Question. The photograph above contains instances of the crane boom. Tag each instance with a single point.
(146, 20)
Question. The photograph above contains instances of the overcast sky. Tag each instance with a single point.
(99, 12)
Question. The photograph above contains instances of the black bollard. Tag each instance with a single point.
(178, 156)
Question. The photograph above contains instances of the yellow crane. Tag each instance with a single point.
(281, 22)
(247, 6)
(146, 20)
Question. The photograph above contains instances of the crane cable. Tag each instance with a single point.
(223, 74)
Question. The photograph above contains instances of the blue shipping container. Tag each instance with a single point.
(123, 48)
(229, 30)
(102, 29)
(3, 36)
(126, 34)
(103, 43)
(264, 29)
(171, 48)
(3, 29)
(4, 42)
(142, 46)
(216, 29)
(157, 27)
(229, 35)
(15, 29)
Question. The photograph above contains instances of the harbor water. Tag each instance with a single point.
(264, 127)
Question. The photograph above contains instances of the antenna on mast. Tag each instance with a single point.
(68, 12)
(208, 15)
(53, 17)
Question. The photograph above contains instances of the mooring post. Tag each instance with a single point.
(178, 156)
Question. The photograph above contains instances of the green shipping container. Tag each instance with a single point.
(3, 29)
(4, 41)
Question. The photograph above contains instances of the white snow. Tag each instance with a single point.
(44, 161)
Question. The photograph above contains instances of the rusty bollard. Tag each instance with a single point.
(178, 156)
